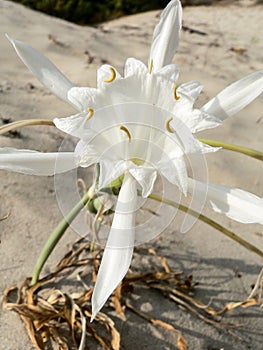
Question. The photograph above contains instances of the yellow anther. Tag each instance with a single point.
(176, 97)
(123, 128)
(151, 66)
(90, 114)
(112, 77)
(168, 127)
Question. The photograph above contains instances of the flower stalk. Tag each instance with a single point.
(56, 235)
(209, 222)
(235, 148)
(21, 123)
(59, 231)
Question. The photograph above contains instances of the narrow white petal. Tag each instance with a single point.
(134, 67)
(36, 163)
(175, 171)
(76, 125)
(169, 72)
(71, 125)
(197, 120)
(83, 97)
(43, 69)
(237, 204)
(110, 171)
(86, 154)
(236, 96)
(191, 89)
(119, 248)
(145, 177)
(166, 35)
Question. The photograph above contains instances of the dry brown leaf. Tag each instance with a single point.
(234, 305)
(45, 317)
(116, 302)
(83, 327)
(35, 338)
(181, 342)
(165, 325)
(165, 265)
(58, 339)
(93, 332)
(115, 340)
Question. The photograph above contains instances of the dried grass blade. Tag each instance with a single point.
(61, 343)
(35, 338)
(258, 285)
(234, 305)
(115, 340)
(181, 342)
(83, 327)
(116, 302)
(93, 332)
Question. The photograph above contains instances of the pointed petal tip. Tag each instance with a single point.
(43, 69)
(236, 96)
(166, 35)
(8, 37)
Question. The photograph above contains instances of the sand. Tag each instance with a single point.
(219, 44)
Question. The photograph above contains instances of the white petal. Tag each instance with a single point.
(237, 204)
(86, 154)
(119, 248)
(191, 89)
(36, 163)
(197, 120)
(169, 72)
(189, 144)
(175, 172)
(166, 35)
(83, 97)
(134, 67)
(146, 178)
(110, 171)
(236, 96)
(104, 73)
(43, 69)
(75, 125)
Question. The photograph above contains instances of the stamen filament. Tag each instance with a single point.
(176, 97)
(112, 77)
(90, 114)
(168, 127)
(123, 128)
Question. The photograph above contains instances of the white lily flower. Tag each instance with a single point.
(139, 125)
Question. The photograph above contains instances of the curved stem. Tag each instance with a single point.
(27, 122)
(56, 235)
(210, 222)
(235, 148)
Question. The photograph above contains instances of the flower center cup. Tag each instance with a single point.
(154, 147)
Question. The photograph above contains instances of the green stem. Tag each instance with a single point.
(21, 123)
(56, 235)
(235, 148)
(210, 222)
